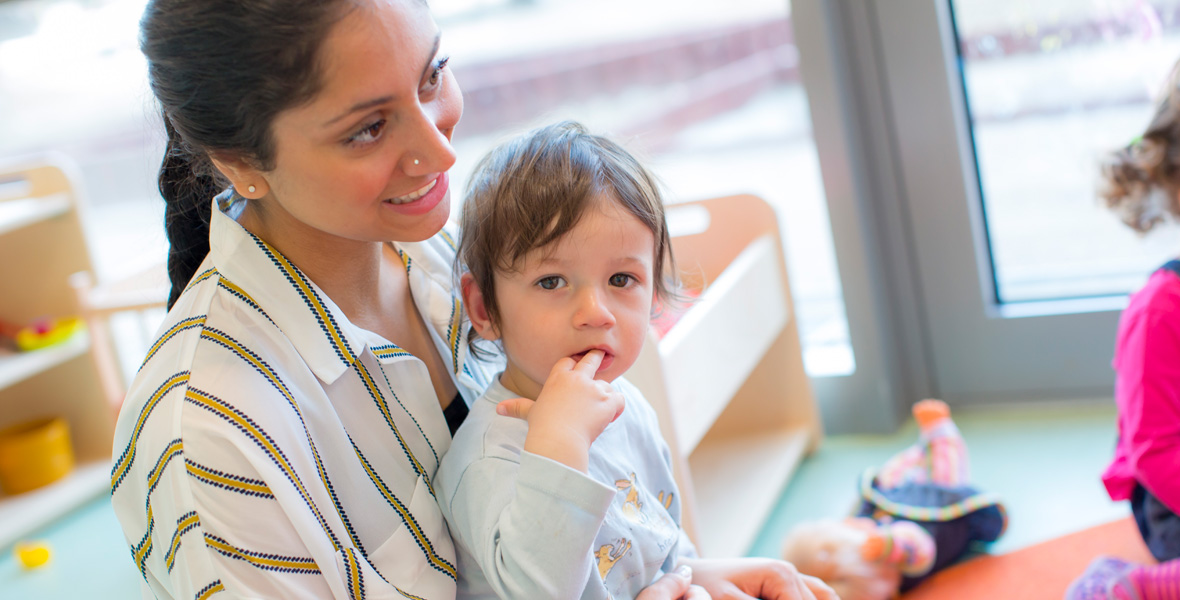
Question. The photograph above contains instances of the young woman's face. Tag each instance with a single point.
(367, 158)
(592, 289)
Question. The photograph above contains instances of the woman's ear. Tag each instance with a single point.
(247, 180)
(477, 310)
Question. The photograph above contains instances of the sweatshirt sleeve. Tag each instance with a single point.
(531, 525)
(1149, 389)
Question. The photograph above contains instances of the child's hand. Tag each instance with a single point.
(570, 413)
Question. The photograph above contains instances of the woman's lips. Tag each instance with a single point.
(423, 199)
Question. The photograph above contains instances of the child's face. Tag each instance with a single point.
(592, 289)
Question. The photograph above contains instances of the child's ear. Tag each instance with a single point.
(477, 310)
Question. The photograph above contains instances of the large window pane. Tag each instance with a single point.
(1051, 86)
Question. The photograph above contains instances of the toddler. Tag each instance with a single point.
(1142, 184)
(565, 248)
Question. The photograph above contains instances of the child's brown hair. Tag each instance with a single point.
(1141, 182)
(530, 191)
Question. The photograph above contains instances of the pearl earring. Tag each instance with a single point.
(251, 189)
(415, 162)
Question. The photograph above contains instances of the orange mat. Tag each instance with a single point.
(1040, 572)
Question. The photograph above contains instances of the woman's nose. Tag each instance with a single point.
(428, 139)
(592, 311)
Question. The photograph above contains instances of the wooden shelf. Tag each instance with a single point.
(738, 481)
(40, 224)
(23, 514)
(727, 381)
(16, 367)
(15, 214)
(737, 318)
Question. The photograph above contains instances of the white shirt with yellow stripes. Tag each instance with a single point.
(269, 448)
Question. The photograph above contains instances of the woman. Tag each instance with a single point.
(281, 436)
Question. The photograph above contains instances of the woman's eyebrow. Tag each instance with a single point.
(367, 104)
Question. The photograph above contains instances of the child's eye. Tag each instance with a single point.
(367, 135)
(551, 282)
(621, 279)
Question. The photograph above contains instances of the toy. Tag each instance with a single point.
(32, 555)
(43, 333)
(916, 516)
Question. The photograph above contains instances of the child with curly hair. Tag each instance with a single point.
(1142, 184)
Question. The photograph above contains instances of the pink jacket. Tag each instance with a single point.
(1147, 392)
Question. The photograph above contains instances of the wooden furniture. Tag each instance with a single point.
(727, 380)
(41, 245)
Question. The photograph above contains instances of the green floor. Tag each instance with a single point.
(1044, 461)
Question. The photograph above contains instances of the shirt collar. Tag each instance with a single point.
(326, 340)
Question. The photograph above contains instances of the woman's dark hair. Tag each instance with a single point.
(1141, 181)
(222, 71)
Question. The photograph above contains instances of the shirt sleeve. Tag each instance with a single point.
(1149, 386)
(533, 539)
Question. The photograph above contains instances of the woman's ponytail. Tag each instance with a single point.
(188, 184)
(222, 71)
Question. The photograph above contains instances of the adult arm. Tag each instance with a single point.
(750, 578)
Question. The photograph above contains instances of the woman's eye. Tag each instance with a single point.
(551, 282)
(620, 279)
(436, 74)
(368, 134)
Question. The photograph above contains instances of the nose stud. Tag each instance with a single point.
(416, 162)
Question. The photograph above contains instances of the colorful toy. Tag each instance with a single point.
(43, 333)
(917, 515)
(32, 555)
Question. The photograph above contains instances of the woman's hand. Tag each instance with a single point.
(750, 578)
(570, 413)
(676, 585)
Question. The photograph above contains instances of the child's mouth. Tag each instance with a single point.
(607, 358)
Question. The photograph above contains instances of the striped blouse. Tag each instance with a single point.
(270, 448)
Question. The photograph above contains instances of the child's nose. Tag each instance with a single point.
(592, 310)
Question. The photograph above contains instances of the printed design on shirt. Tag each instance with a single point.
(227, 481)
(247, 426)
(453, 333)
(123, 465)
(322, 315)
(262, 560)
(665, 501)
(385, 409)
(437, 562)
(448, 239)
(186, 523)
(206, 274)
(356, 579)
(209, 590)
(405, 259)
(389, 351)
(383, 406)
(189, 323)
(241, 294)
(143, 549)
(222, 339)
(632, 504)
(174, 449)
(609, 554)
